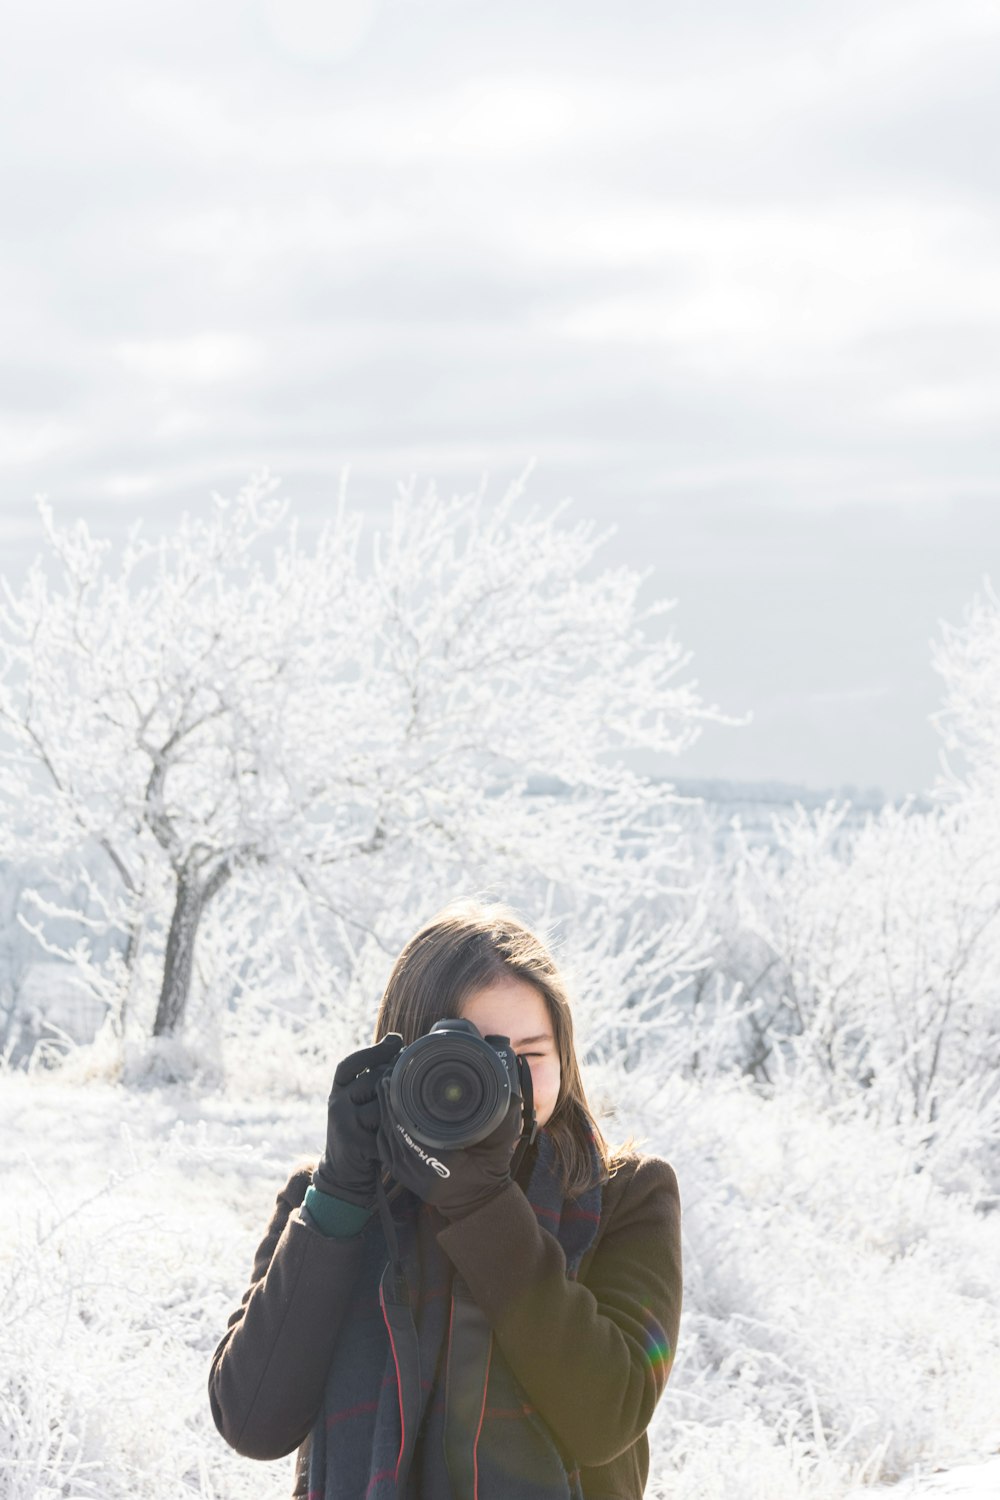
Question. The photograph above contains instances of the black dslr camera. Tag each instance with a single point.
(452, 1087)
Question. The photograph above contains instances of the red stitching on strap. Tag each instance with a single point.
(482, 1413)
(399, 1397)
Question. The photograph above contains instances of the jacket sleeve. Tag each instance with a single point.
(592, 1355)
(269, 1371)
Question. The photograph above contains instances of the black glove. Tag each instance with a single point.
(456, 1182)
(350, 1163)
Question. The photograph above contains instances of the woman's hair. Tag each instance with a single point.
(467, 947)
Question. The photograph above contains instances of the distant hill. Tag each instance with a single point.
(756, 803)
(785, 793)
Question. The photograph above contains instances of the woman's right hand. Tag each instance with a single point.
(350, 1163)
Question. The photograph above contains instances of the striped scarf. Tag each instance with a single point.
(357, 1437)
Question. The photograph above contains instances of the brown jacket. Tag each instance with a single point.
(582, 1350)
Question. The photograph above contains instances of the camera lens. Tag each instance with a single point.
(449, 1089)
(449, 1094)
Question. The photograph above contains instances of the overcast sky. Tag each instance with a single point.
(729, 272)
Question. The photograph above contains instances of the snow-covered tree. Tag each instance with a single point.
(226, 701)
(865, 958)
(885, 957)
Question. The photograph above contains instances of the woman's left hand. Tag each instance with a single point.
(456, 1182)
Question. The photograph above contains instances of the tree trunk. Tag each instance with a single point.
(131, 959)
(178, 961)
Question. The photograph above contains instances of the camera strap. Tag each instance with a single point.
(470, 1349)
(529, 1126)
(397, 1312)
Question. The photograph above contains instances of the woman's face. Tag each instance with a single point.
(513, 1007)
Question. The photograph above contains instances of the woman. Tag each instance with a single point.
(497, 1327)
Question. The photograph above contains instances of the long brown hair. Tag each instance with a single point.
(468, 946)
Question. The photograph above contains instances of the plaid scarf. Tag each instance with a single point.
(357, 1438)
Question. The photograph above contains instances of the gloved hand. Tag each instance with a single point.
(456, 1182)
(350, 1164)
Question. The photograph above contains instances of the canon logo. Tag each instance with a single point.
(431, 1161)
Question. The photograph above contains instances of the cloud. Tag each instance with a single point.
(27, 441)
(319, 30)
(191, 359)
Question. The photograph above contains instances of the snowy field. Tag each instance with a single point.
(973, 1481)
(841, 1323)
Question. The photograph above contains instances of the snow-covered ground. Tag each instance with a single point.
(129, 1225)
(130, 1222)
(971, 1481)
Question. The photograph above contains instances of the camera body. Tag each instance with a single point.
(452, 1087)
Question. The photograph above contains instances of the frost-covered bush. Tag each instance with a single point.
(863, 961)
(842, 1317)
(880, 974)
(124, 1234)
